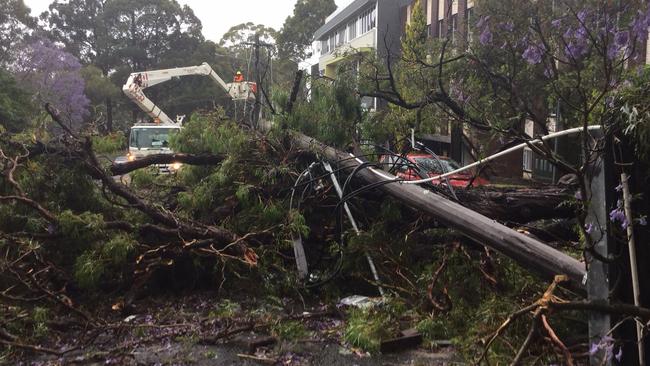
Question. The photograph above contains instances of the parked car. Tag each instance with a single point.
(428, 166)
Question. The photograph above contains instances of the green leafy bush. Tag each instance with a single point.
(109, 144)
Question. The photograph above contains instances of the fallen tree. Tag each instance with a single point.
(471, 221)
(520, 205)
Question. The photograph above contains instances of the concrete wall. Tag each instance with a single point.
(363, 43)
(389, 29)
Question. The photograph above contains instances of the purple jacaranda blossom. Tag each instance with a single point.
(625, 223)
(482, 22)
(619, 354)
(486, 36)
(589, 228)
(53, 75)
(640, 24)
(605, 344)
(507, 26)
(568, 34)
(642, 221)
(582, 15)
(578, 195)
(532, 54)
(556, 23)
(617, 215)
(622, 38)
(548, 72)
(576, 50)
(613, 51)
(581, 33)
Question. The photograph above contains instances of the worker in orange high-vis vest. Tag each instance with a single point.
(239, 77)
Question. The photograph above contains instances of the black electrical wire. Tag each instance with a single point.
(408, 164)
(435, 156)
(339, 209)
(417, 169)
(339, 254)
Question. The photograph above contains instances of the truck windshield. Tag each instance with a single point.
(155, 138)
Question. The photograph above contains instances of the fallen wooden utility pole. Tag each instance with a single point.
(528, 252)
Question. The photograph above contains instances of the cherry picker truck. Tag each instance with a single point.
(153, 138)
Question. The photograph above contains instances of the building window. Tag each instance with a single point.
(324, 46)
(340, 37)
(454, 27)
(528, 160)
(332, 42)
(352, 30)
(368, 20)
(469, 17)
(441, 33)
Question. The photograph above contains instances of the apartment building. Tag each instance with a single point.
(451, 18)
(362, 26)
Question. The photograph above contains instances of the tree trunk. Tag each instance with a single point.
(109, 115)
(517, 205)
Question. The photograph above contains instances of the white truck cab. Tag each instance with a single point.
(152, 138)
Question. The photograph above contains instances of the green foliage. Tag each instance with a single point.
(143, 178)
(41, 316)
(98, 86)
(291, 330)
(16, 23)
(118, 249)
(225, 309)
(330, 115)
(415, 37)
(105, 262)
(478, 309)
(367, 327)
(88, 270)
(83, 228)
(15, 105)
(109, 144)
(208, 133)
(626, 111)
(297, 224)
(298, 29)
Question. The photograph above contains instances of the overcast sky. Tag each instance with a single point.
(217, 16)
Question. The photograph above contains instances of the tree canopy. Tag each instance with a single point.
(298, 29)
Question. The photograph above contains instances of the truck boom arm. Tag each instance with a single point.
(138, 81)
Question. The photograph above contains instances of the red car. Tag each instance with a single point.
(430, 167)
